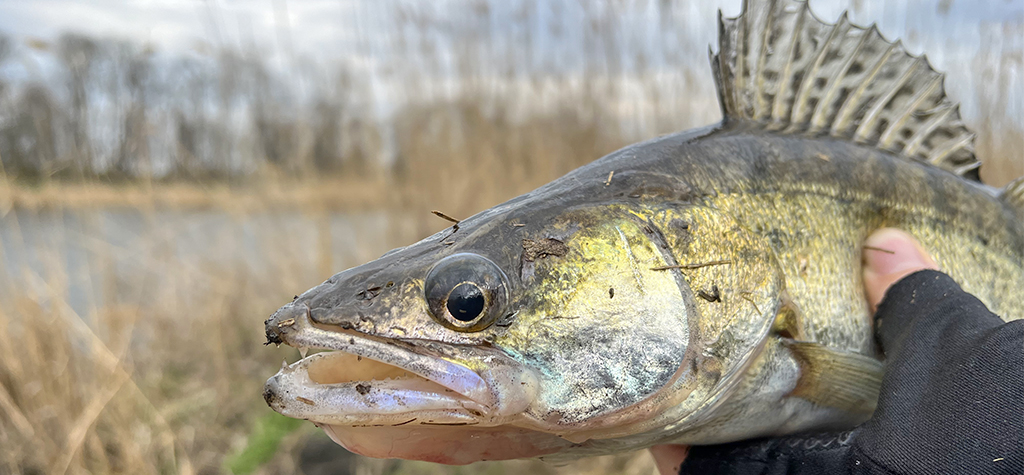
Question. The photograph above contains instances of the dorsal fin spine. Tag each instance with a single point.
(852, 102)
(867, 125)
(808, 79)
(741, 64)
(726, 96)
(969, 168)
(783, 68)
(889, 135)
(778, 105)
(818, 121)
(938, 115)
(949, 146)
(1013, 195)
(760, 108)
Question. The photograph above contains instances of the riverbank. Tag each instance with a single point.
(316, 194)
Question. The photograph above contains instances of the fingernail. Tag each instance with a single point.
(889, 251)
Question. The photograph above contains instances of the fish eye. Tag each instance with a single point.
(466, 302)
(466, 292)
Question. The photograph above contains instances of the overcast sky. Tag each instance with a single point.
(327, 26)
(952, 32)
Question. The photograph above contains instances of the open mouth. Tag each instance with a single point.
(368, 381)
(392, 398)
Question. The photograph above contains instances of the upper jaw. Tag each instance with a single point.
(441, 392)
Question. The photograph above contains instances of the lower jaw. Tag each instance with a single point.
(451, 445)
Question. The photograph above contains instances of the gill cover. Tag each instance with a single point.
(645, 319)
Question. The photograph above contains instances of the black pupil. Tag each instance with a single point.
(465, 302)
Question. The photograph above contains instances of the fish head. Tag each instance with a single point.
(530, 330)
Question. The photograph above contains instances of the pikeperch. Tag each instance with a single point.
(697, 288)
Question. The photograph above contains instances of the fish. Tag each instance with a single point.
(697, 288)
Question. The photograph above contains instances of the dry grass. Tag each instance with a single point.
(331, 193)
(162, 376)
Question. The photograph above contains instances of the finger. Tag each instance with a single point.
(668, 458)
(890, 255)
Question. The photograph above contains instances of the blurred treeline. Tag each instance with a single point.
(118, 110)
(465, 84)
(524, 89)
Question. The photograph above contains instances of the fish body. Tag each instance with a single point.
(698, 288)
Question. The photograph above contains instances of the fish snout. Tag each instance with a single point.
(281, 322)
(277, 391)
(272, 394)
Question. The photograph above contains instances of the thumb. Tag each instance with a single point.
(890, 255)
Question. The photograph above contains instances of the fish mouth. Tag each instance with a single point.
(368, 381)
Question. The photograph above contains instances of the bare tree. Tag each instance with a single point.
(27, 143)
(6, 50)
(134, 141)
(77, 53)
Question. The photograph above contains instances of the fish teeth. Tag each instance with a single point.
(303, 350)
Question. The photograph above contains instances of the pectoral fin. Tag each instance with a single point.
(833, 378)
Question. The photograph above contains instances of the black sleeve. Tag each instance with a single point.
(952, 398)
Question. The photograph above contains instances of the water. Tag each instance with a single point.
(95, 258)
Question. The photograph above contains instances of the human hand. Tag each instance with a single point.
(952, 397)
(890, 255)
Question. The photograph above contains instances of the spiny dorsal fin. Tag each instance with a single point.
(1013, 195)
(779, 65)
